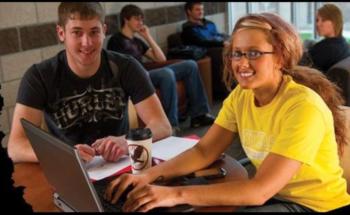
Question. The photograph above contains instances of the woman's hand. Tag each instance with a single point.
(117, 187)
(111, 148)
(145, 197)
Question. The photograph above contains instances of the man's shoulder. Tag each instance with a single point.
(188, 24)
(116, 55)
(117, 35)
(49, 65)
(119, 58)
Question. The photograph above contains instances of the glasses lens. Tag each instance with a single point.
(237, 55)
(253, 54)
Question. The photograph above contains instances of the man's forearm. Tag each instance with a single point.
(24, 153)
(157, 51)
(160, 131)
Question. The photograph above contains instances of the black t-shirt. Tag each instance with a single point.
(81, 110)
(134, 47)
(328, 52)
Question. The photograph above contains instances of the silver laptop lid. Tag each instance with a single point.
(63, 169)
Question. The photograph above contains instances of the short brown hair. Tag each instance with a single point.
(85, 11)
(332, 13)
(190, 5)
(128, 11)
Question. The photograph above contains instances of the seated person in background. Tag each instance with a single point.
(333, 48)
(199, 30)
(289, 123)
(81, 96)
(203, 32)
(164, 78)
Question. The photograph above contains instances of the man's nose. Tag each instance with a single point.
(86, 40)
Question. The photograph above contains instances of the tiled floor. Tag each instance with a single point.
(235, 150)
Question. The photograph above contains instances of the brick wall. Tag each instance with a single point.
(28, 35)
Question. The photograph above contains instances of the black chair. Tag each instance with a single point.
(340, 75)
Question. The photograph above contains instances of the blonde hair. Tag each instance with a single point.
(288, 46)
(332, 13)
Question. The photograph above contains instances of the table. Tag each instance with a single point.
(38, 192)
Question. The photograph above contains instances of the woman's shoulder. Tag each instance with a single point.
(299, 94)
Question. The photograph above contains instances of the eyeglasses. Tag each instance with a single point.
(251, 55)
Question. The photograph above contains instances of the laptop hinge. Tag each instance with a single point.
(61, 204)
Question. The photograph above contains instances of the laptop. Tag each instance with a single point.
(65, 171)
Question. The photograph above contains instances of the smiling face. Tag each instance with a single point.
(261, 72)
(83, 41)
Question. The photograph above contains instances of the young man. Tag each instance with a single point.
(82, 92)
(203, 32)
(164, 78)
(200, 31)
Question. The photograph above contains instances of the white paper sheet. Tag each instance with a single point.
(170, 147)
(98, 168)
(165, 149)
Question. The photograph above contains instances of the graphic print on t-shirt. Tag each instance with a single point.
(90, 106)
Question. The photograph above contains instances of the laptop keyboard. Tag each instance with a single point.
(100, 187)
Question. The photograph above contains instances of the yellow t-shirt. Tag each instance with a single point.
(296, 124)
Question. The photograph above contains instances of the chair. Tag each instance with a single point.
(340, 74)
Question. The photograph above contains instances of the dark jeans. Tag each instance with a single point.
(274, 205)
(165, 79)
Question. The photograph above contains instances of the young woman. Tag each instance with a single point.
(288, 121)
(333, 48)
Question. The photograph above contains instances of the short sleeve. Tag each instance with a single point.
(31, 90)
(136, 81)
(227, 115)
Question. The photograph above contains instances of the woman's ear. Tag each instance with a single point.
(279, 62)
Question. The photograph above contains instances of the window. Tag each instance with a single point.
(236, 10)
(301, 14)
(304, 19)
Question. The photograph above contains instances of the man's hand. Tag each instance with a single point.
(86, 152)
(144, 32)
(111, 148)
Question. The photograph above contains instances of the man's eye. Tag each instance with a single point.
(95, 32)
(76, 32)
